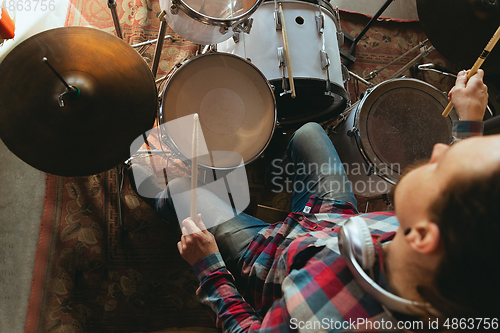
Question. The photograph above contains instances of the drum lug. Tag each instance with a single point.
(282, 65)
(325, 60)
(223, 29)
(340, 33)
(244, 26)
(336, 13)
(277, 19)
(236, 38)
(352, 132)
(174, 9)
(320, 22)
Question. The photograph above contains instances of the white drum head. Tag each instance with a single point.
(234, 102)
(221, 9)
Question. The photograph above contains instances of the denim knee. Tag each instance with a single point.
(309, 131)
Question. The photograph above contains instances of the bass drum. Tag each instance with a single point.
(314, 37)
(396, 124)
(235, 104)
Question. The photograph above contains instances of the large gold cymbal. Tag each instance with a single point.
(91, 133)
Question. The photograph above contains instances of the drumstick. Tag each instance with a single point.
(194, 167)
(287, 52)
(479, 62)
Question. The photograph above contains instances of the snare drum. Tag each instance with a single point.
(235, 104)
(395, 124)
(314, 37)
(208, 21)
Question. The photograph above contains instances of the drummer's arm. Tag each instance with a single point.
(470, 98)
(217, 286)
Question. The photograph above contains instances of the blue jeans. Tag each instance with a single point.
(315, 168)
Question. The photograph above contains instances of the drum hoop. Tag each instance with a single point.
(381, 168)
(208, 20)
(178, 67)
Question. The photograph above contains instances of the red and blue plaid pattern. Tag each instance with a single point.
(295, 277)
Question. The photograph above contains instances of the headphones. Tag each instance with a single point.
(357, 249)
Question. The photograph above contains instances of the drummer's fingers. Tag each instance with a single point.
(199, 223)
(450, 93)
(461, 80)
(476, 80)
(190, 226)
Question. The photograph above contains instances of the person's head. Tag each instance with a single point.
(449, 214)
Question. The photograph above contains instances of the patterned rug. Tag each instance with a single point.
(93, 275)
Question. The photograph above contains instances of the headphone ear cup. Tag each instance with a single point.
(357, 249)
(364, 251)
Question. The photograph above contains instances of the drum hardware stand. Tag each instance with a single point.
(120, 180)
(360, 79)
(152, 41)
(374, 73)
(159, 44)
(116, 20)
(244, 26)
(436, 68)
(145, 45)
(341, 118)
(424, 52)
(349, 59)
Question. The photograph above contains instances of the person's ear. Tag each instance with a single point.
(424, 237)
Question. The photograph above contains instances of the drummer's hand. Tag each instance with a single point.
(469, 97)
(196, 241)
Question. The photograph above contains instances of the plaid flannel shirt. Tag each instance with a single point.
(296, 279)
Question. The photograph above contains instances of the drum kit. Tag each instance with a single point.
(74, 99)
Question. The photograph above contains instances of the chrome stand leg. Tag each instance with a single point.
(116, 21)
(119, 186)
(159, 43)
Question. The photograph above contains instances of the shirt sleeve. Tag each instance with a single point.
(463, 129)
(218, 291)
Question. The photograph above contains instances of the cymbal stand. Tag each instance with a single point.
(159, 44)
(119, 181)
(349, 59)
(424, 52)
(116, 20)
(374, 73)
(143, 46)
